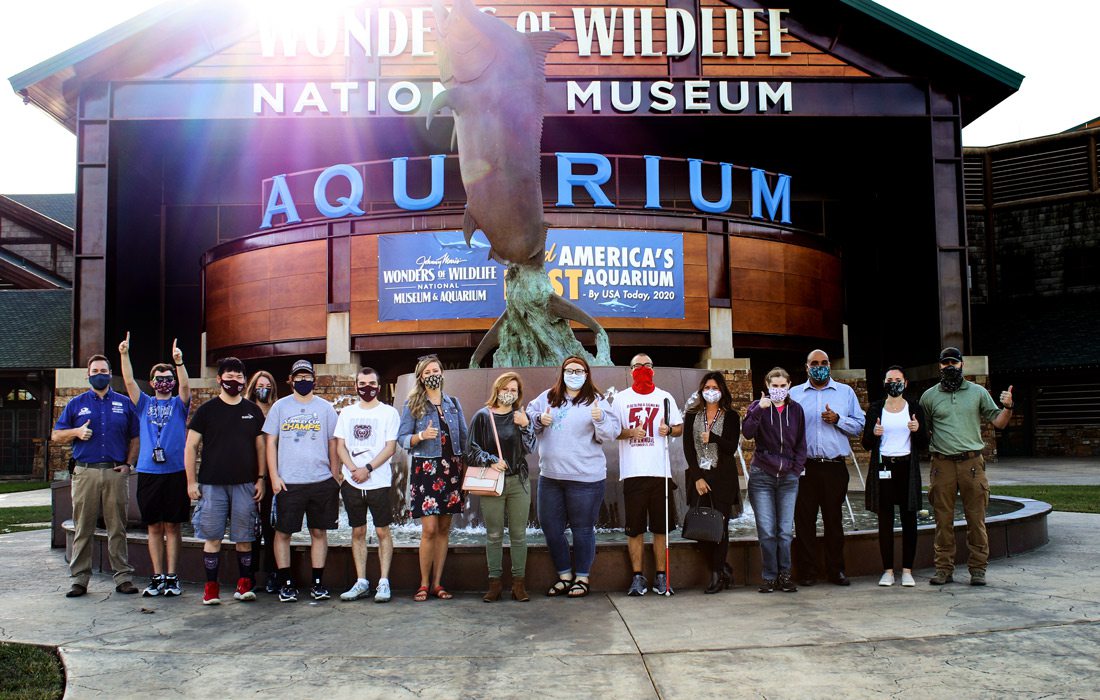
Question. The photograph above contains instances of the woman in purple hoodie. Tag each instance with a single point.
(776, 424)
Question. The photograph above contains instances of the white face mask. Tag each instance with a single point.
(711, 395)
(506, 398)
(575, 381)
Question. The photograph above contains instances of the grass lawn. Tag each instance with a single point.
(30, 673)
(17, 486)
(1074, 499)
(19, 519)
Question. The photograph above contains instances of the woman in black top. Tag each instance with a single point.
(517, 438)
(895, 432)
(711, 452)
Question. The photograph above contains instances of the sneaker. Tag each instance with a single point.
(977, 577)
(244, 590)
(638, 585)
(155, 587)
(907, 579)
(382, 595)
(767, 586)
(319, 592)
(660, 585)
(171, 586)
(361, 589)
(786, 584)
(887, 578)
(210, 593)
(272, 584)
(288, 594)
(941, 578)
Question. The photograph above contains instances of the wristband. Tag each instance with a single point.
(178, 364)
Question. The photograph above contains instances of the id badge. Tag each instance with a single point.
(884, 473)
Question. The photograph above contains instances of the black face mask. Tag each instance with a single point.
(232, 386)
(368, 393)
(895, 388)
(951, 378)
(303, 387)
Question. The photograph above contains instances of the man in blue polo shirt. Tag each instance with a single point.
(103, 427)
(833, 415)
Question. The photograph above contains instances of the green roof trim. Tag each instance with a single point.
(926, 36)
(87, 49)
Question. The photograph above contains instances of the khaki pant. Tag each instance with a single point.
(966, 477)
(93, 490)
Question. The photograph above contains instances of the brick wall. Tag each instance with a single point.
(1068, 441)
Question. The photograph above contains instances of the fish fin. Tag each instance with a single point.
(454, 139)
(493, 254)
(468, 226)
(440, 101)
(542, 42)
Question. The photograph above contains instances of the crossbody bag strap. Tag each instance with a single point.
(496, 437)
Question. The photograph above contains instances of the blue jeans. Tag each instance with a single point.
(576, 504)
(773, 502)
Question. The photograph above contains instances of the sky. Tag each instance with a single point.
(1052, 47)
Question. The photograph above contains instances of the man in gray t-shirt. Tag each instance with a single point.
(303, 466)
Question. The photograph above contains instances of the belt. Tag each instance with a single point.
(962, 456)
(823, 460)
(904, 459)
(98, 465)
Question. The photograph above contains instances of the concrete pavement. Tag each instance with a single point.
(1034, 631)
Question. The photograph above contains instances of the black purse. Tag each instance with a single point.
(704, 524)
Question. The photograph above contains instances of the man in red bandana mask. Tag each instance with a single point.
(644, 467)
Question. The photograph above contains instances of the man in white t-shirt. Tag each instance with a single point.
(366, 437)
(649, 417)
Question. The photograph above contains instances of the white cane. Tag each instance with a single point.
(668, 465)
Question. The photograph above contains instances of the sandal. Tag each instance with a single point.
(421, 594)
(560, 587)
(441, 593)
(579, 589)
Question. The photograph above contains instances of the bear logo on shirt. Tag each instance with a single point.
(362, 432)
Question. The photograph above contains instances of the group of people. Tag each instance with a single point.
(270, 463)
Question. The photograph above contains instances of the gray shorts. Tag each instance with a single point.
(222, 502)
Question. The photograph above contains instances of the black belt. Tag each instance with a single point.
(821, 460)
(98, 465)
(904, 459)
(960, 457)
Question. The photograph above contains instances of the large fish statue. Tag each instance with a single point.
(496, 78)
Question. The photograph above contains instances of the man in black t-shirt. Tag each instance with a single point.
(231, 481)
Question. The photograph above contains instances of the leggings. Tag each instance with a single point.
(886, 536)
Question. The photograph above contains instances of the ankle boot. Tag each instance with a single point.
(716, 583)
(493, 594)
(519, 589)
(727, 575)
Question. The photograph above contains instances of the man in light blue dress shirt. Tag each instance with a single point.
(832, 415)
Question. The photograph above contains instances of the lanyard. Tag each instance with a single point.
(160, 419)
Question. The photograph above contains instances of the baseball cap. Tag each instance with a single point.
(302, 366)
(951, 354)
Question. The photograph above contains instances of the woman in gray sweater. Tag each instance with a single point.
(571, 422)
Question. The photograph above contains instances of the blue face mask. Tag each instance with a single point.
(819, 373)
(575, 381)
(99, 382)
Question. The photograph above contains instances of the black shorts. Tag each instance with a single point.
(644, 497)
(358, 501)
(319, 502)
(162, 498)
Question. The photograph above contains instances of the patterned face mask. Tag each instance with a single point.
(506, 398)
(164, 385)
(711, 395)
(951, 378)
(433, 381)
(820, 373)
(894, 388)
(777, 395)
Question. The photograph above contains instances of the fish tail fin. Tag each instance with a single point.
(440, 101)
(469, 225)
(542, 42)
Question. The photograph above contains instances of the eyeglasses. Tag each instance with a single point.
(636, 365)
(574, 372)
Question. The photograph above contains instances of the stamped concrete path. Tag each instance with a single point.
(1033, 632)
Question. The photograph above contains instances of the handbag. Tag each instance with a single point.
(485, 481)
(704, 524)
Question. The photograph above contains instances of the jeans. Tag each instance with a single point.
(515, 503)
(772, 500)
(576, 504)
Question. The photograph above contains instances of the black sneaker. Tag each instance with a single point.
(288, 594)
(785, 583)
(319, 592)
(155, 587)
(272, 585)
(171, 586)
(767, 586)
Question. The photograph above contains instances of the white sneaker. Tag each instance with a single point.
(382, 595)
(907, 579)
(361, 589)
(887, 579)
